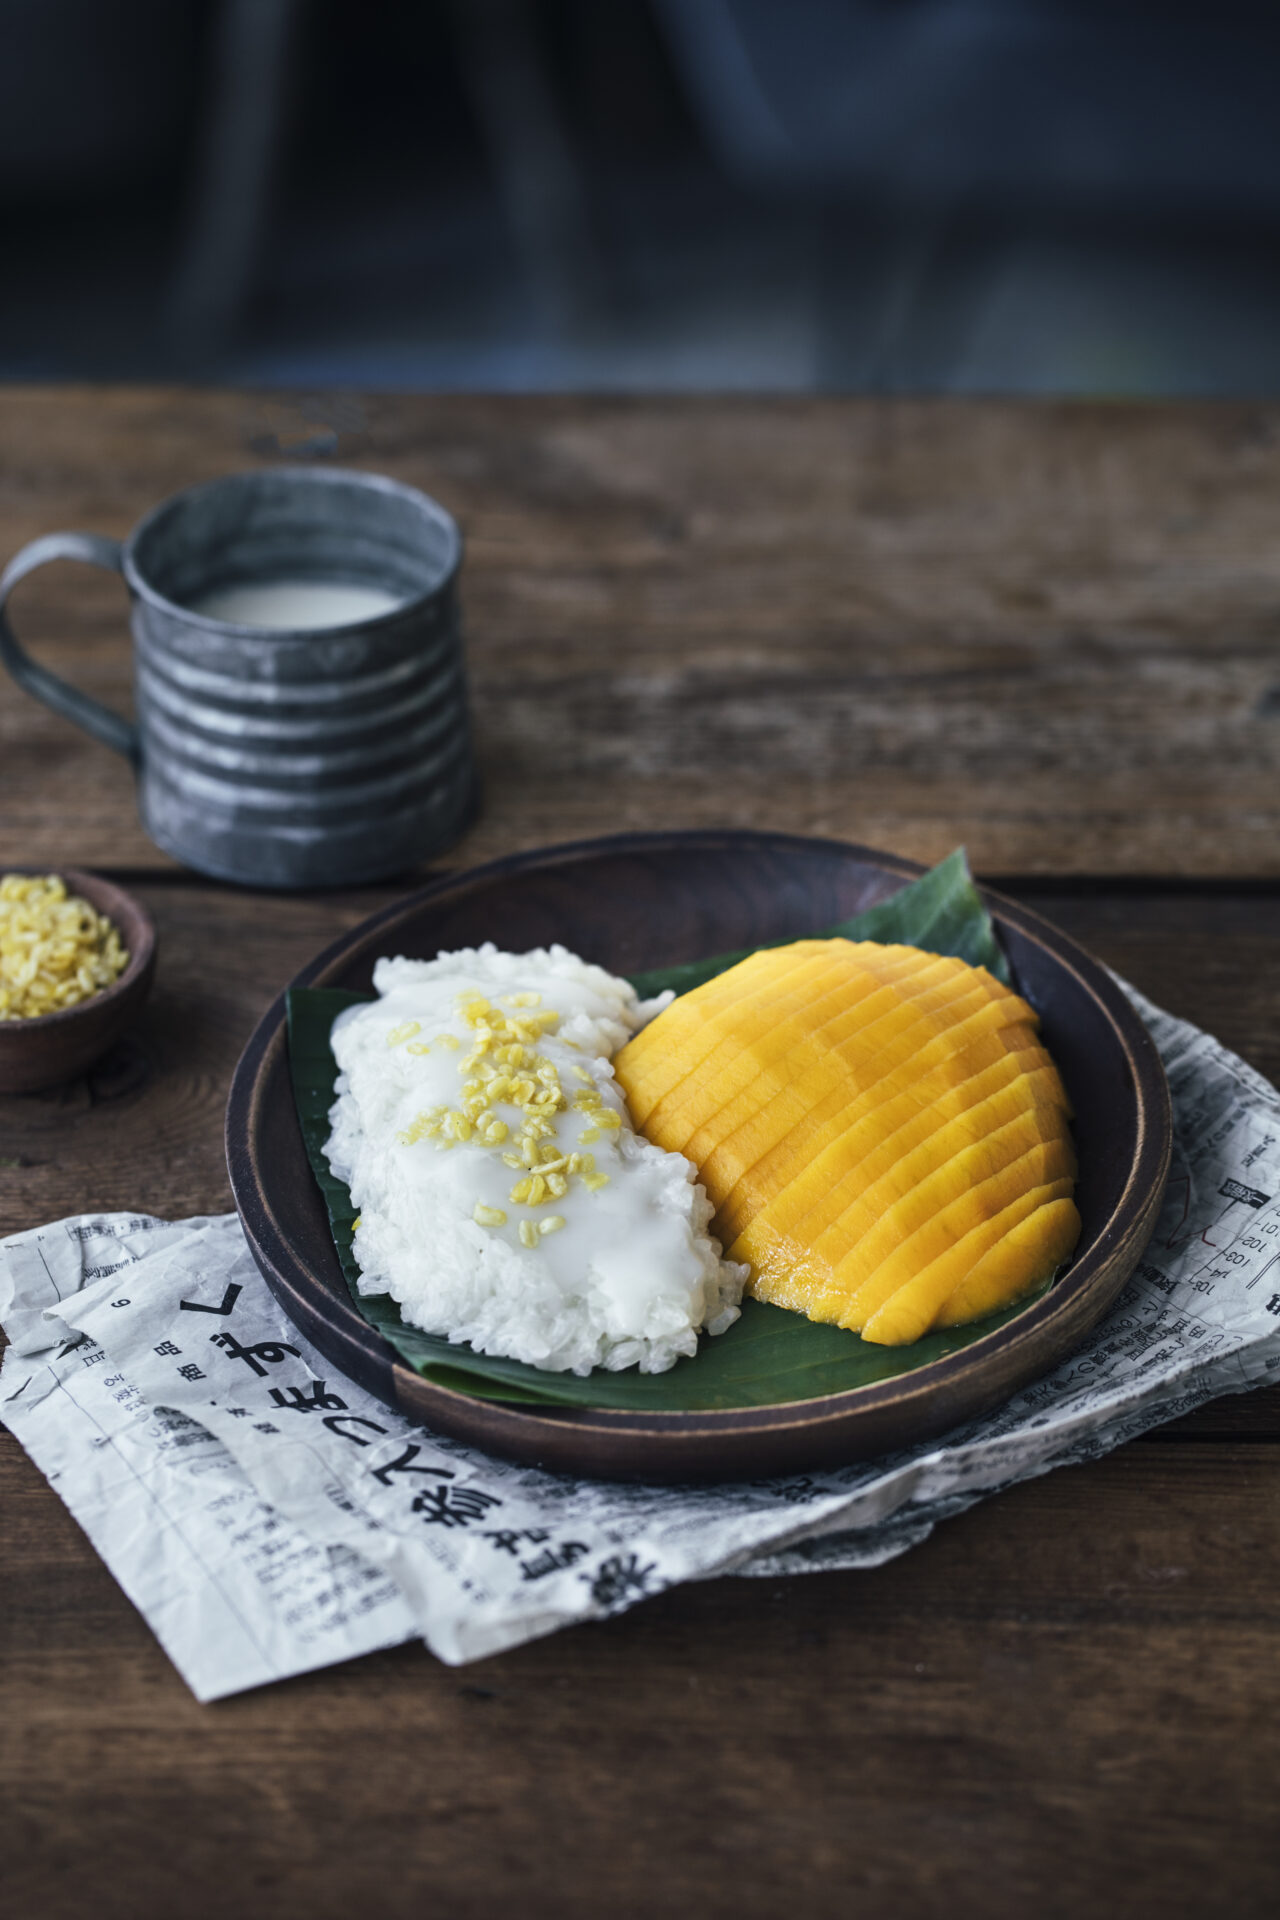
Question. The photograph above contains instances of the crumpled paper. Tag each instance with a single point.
(268, 1516)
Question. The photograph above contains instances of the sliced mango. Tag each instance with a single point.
(883, 1135)
(913, 1308)
(863, 1282)
(881, 1022)
(1036, 1247)
(900, 1166)
(805, 1002)
(693, 1024)
(815, 1134)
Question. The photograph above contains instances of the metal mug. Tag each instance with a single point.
(280, 757)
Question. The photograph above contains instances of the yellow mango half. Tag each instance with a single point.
(912, 1163)
(985, 1180)
(812, 1134)
(913, 1308)
(1034, 1247)
(884, 1137)
(694, 1024)
(741, 1108)
(805, 1001)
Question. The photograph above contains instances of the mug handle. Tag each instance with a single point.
(110, 728)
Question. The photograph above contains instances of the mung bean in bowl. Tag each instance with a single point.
(77, 957)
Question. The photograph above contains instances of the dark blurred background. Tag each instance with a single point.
(1071, 196)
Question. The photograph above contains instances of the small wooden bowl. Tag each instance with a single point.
(55, 1047)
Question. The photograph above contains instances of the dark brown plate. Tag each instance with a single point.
(647, 900)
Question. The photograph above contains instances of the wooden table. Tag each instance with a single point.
(1047, 631)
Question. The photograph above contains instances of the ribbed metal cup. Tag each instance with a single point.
(289, 758)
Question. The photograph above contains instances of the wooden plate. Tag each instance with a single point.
(646, 900)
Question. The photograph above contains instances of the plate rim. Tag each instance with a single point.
(1078, 1301)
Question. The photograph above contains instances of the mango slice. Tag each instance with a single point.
(881, 1131)
(764, 1073)
(824, 1134)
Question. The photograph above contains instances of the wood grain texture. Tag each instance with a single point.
(1051, 631)
(1065, 1702)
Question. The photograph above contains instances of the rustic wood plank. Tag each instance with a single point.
(1066, 1702)
(1068, 1693)
(1046, 630)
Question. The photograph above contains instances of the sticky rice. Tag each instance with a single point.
(504, 1197)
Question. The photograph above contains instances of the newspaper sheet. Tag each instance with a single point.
(268, 1516)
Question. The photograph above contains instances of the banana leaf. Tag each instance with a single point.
(768, 1357)
(941, 912)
